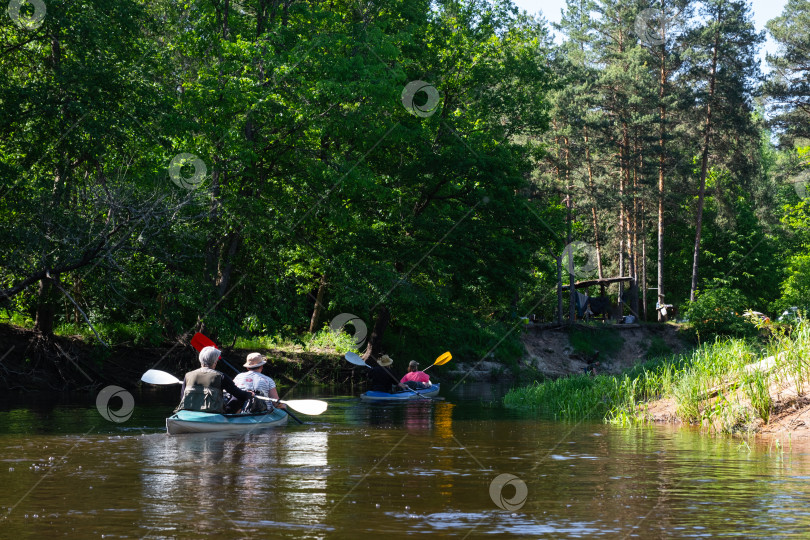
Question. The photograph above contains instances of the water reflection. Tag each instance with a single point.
(266, 477)
(415, 416)
(305, 458)
(413, 468)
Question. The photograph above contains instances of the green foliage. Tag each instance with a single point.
(16, 318)
(322, 340)
(137, 334)
(314, 168)
(573, 398)
(601, 397)
(325, 339)
(790, 79)
(719, 312)
(317, 173)
(796, 288)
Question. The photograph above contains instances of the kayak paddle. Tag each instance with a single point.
(305, 406)
(200, 341)
(441, 360)
(354, 358)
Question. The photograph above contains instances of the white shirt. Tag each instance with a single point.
(254, 381)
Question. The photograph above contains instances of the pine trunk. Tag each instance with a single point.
(643, 263)
(662, 114)
(704, 166)
(593, 206)
(572, 293)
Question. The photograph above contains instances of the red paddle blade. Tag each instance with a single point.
(199, 342)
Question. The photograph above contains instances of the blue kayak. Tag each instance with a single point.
(372, 395)
(203, 422)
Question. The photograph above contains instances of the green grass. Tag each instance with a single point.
(710, 385)
(16, 318)
(141, 334)
(657, 348)
(586, 341)
(323, 340)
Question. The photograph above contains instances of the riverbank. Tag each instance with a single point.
(77, 362)
(554, 351)
(729, 386)
(30, 362)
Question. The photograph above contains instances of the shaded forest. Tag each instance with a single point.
(434, 171)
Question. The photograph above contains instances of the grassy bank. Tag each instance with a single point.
(145, 335)
(729, 385)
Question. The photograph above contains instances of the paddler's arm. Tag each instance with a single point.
(273, 394)
(229, 386)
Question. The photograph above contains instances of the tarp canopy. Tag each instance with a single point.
(604, 282)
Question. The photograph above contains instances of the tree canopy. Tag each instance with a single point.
(261, 167)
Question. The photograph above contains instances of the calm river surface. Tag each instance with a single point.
(371, 471)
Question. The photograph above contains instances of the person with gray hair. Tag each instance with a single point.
(202, 388)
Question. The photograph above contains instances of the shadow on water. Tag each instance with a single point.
(394, 469)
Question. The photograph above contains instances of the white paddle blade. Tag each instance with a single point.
(355, 359)
(307, 406)
(154, 376)
(311, 407)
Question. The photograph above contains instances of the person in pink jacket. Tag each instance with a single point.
(415, 379)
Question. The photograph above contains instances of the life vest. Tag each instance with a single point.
(203, 391)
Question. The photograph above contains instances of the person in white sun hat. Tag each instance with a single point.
(381, 377)
(253, 380)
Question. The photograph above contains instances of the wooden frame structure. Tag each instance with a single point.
(604, 282)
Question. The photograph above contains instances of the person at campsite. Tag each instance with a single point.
(254, 380)
(415, 379)
(663, 309)
(381, 376)
(203, 388)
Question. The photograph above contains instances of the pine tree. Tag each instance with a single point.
(788, 86)
(723, 65)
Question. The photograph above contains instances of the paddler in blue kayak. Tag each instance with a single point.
(381, 376)
(415, 379)
(202, 388)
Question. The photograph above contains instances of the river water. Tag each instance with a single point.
(459, 468)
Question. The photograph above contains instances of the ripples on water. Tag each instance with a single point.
(423, 468)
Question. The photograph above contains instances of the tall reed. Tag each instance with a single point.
(719, 385)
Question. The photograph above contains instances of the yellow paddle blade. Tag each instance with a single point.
(443, 359)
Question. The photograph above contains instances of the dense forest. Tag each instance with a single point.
(435, 169)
